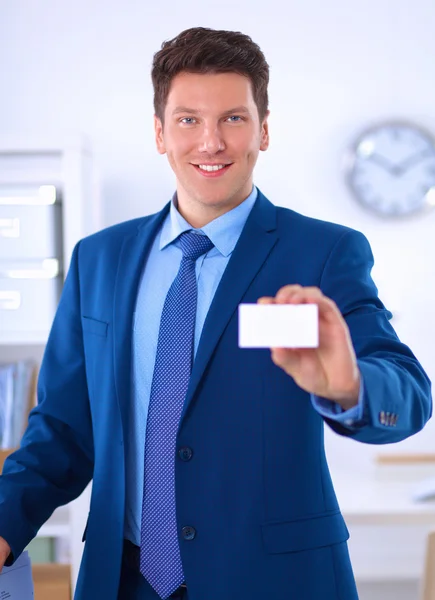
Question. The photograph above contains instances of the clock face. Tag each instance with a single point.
(392, 169)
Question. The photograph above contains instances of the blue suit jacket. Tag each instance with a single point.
(257, 488)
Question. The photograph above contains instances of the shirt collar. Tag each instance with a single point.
(224, 231)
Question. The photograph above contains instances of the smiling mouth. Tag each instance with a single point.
(212, 170)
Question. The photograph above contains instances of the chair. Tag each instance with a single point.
(428, 583)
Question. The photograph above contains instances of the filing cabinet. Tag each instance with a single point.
(49, 200)
(31, 272)
(30, 231)
(29, 294)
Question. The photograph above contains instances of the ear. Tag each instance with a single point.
(158, 128)
(264, 142)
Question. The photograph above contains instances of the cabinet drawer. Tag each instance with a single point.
(30, 231)
(29, 296)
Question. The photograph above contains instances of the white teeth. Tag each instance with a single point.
(211, 167)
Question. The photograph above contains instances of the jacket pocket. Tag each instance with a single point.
(304, 534)
(95, 326)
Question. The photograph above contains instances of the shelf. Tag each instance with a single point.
(24, 339)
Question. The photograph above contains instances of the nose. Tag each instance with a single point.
(211, 140)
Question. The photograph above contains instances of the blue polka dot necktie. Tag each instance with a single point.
(160, 560)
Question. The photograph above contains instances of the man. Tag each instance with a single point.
(209, 480)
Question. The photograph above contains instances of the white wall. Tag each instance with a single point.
(336, 67)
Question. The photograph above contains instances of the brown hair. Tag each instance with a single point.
(203, 50)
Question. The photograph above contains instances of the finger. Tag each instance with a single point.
(289, 293)
(266, 300)
(310, 295)
(327, 307)
(286, 358)
(286, 292)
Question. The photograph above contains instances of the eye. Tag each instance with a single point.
(235, 119)
(188, 120)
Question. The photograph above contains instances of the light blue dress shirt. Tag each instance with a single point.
(159, 272)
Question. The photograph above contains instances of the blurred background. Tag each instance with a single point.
(76, 113)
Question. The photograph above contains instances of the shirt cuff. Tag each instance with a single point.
(353, 417)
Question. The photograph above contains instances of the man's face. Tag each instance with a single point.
(211, 121)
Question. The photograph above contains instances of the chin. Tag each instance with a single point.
(215, 199)
(218, 194)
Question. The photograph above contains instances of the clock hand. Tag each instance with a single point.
(382, 162)
(411, 161)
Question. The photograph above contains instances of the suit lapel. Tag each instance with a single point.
(132, 259)
(255, 243)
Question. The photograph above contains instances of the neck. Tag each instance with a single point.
(198, 213)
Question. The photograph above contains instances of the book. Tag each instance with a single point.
(6, 404)
(16, 390)
(23, 387)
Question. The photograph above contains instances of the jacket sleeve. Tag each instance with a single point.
(397, 392)
(54, 462)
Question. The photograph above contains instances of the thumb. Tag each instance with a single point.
(286, 358)
(5, 551)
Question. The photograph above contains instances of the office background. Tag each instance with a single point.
(336, 69)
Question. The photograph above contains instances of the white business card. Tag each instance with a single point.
(278, 326)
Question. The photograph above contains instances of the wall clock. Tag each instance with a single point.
(391, 169)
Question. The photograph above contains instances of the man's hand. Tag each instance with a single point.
(331, 370)
(5, 550)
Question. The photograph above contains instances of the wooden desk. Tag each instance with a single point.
(388, 529)
(52, 582)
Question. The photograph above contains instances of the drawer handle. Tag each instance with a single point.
(10, 300)
(10, 228)
(44, 195)
(49, 269)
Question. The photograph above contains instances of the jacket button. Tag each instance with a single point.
(188, 533)
(185, 453)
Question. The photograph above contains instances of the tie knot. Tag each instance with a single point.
(194, 245)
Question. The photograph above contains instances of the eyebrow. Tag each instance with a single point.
(192, 111)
